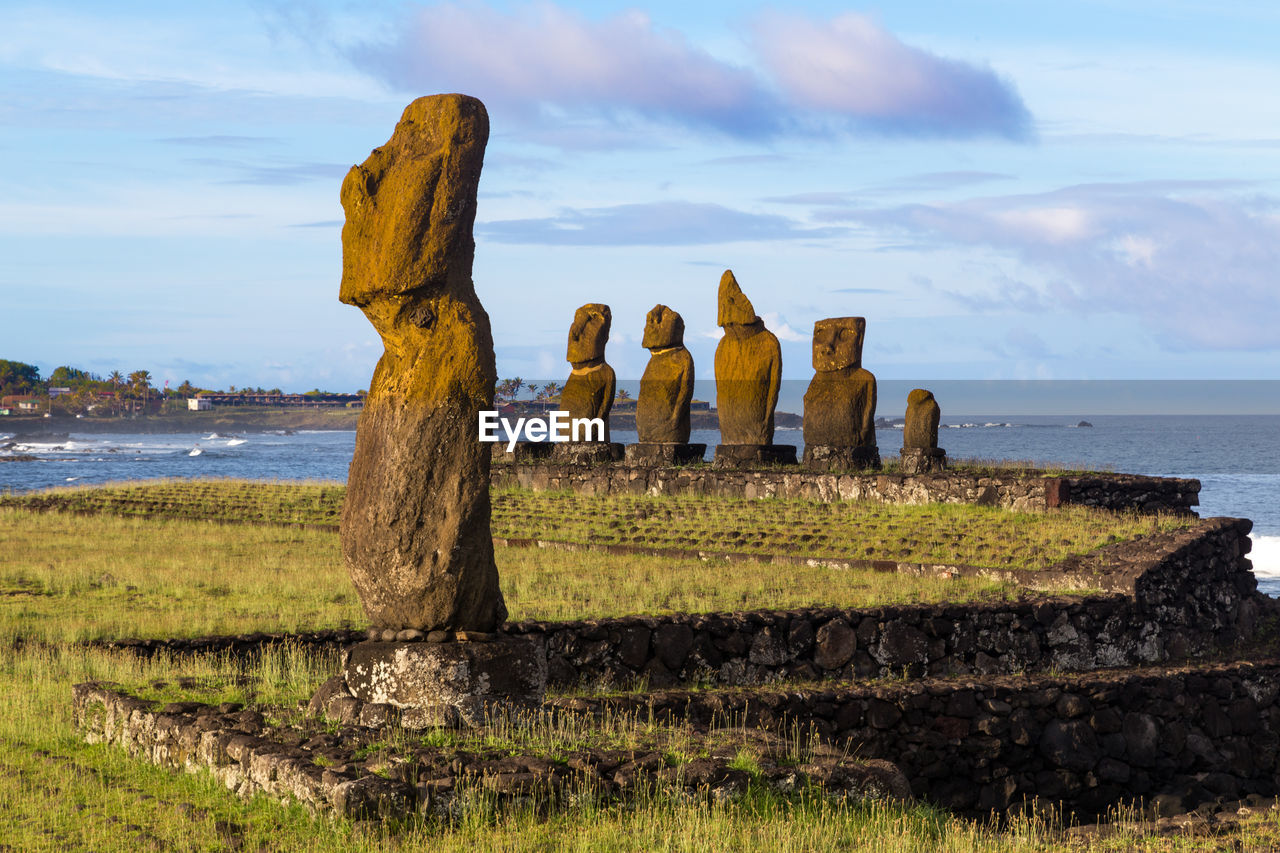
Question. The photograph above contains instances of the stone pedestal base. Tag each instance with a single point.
(665, 454)
(751, 455)
(452, 683)
(524, 451)
(923, 460)
(832, 457)
(587, 452)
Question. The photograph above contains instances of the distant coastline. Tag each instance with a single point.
(264, 419)
(223, 420)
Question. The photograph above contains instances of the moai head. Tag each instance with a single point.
(918, 396)
(589, 333)
(837, 343)
(663, 328)
(734, 306)
(400, 254)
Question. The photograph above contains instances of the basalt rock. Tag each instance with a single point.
(666, 389)
(588, 392)
(748, 370)
(920, 451)
(840, 403)
(415, 525)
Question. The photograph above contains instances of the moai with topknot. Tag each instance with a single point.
(748, 378)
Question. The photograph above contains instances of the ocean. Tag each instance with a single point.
(1235, 457)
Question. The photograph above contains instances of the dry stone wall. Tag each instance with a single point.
(1010, 491)
(1165, 597)
(1173, 738)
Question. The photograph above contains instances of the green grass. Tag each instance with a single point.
(65, 577)
(951, 534)
(72, 577)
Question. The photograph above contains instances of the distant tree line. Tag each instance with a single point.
(114, 394)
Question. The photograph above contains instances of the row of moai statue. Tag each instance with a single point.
(839, 405)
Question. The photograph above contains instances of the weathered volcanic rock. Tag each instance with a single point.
(920, 451)
(415, 525)
(666, 389)
(588, 392)
(748, 370)
(923, 414)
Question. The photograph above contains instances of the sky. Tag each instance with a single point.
(1005, 190)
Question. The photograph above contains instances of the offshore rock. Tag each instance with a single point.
(840, 403)
(666, 389)
(589, 390)
(748, 368)
(415, 526)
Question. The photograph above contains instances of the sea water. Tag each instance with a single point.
(1235, 457)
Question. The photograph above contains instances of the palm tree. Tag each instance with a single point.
(551, 390)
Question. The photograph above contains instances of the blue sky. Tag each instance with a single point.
(1003, 190)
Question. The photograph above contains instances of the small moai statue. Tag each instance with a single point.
(415, 528)
(748, 378)
(920, 451)
(589, 390)
(666, 390)
(840, 403)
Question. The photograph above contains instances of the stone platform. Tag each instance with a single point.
(449, 683)
(831, 457)
(923, 460)
(587, 452)
(664, 453)
(751, 455)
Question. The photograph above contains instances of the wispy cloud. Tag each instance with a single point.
(853, 68)
(278, 175)
(797, 75)
(1192, 260)
(667, 223)
(221, 141)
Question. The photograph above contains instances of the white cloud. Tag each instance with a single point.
(1195, 262)
(851, 66)
(797, 74)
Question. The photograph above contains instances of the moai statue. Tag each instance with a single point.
(840, 404)
(920, 451)
(748, 377)
(589, 390)
(666, 390)
(415, 524)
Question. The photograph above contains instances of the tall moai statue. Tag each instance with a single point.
(920, 451)
(840, 403)
(748, 378)
(666, 390)
(588, 392)
(416, 521)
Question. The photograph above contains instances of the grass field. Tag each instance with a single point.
(952, 534)
(66, 577)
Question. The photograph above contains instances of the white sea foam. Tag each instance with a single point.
(1265, 556)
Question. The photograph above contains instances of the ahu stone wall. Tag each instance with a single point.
(1010, 491)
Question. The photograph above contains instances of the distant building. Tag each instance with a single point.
(199, 404)
(313, 401)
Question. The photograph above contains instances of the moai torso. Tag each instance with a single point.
(666, 389)
(589, 390)
(748, 369)
(923, 415)
(415, 523)
(840, 403)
